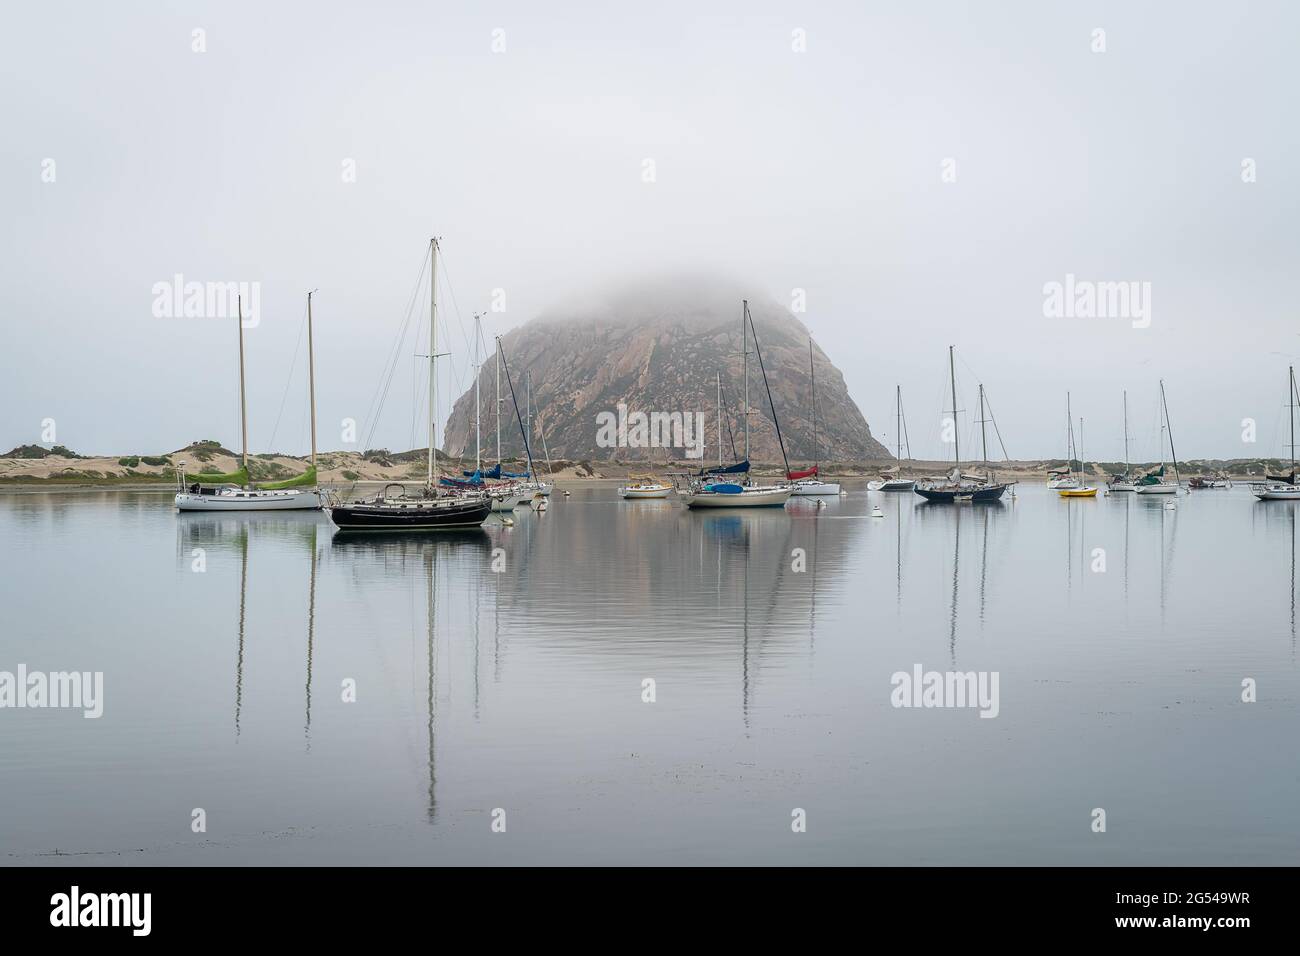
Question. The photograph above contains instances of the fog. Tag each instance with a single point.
(916, 175)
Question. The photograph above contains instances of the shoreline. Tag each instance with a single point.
(160, 485)
(38, 467)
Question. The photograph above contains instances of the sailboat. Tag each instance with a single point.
(807, 483)
(1155, 482)
(1078, 489)
(644, 486)
(427, 509)
(889, 481)
(1125, 481)
(958, 487)
(709, 489)
(234, 492)
(1282, 488)
(1062, 478)
(535, 483)
(505, 497)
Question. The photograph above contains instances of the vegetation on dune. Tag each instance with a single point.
(205, 449)
(39, 451)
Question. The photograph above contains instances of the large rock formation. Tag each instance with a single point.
(656, 347)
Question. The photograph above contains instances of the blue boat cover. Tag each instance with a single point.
(494, 472)
(725, 489)
(739, 468)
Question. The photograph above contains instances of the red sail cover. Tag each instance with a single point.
(796, 475)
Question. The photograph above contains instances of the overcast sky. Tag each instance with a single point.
(821, 170)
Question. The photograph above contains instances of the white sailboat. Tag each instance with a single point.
(1156, 483)
(889, 481)
(716, 491)
(240, 495)
(644, 486)
(1282, 488)
(1125, 481)
(1063, 479)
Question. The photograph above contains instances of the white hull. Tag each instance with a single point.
(749, 498)
(506, 502)
(1056, 484)
(808, 488)
(1276, 492)
(1122, 486)
(238, 500)
(645, 492)
(1160, 489)
(893, 484)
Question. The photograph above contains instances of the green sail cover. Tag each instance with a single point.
(1153, 478)
(307, 478)
(231, 478)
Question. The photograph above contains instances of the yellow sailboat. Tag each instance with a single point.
(1078, 489)
(1077, 492)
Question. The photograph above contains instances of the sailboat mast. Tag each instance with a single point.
(514, 400)
(1290, 403)
(1164, 403)
(1069, 434)
(1080, 449)
(528, 400)
(243, 402)
(478, 373)
(497, 362)
(771, 404)
(812, 375)
(311, 381)
(1126, 468)
(433, 359)
(718, 376)
(898, 419)
(956, 437)
(744, 352)
(984, 438)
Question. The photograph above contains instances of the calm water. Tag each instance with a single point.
(522, 689)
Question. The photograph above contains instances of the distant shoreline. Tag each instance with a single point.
(42, 470)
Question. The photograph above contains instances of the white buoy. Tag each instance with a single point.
(508, 522)
(1170, 506)
(876, 512)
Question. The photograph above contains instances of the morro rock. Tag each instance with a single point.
(657, 347)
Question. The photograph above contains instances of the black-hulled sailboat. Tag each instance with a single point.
(958, 487)
(427, 509)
